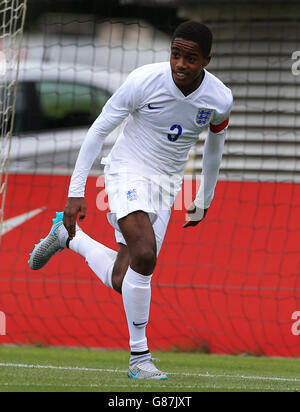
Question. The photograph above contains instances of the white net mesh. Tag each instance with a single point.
(12, 16)
(231, 285)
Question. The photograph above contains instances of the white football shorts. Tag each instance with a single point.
(155, 195)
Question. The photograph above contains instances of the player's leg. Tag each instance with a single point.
(136, 289)
(108, 265)
(140, 238)
(122, 261)
(120, 267)
(100, 258)
(144, 242)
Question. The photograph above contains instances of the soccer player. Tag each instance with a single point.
(166, 105)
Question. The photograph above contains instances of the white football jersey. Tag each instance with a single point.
(161, 126)
(162, 123)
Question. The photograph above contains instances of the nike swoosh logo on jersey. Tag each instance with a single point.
(16, 221)
(150, 107)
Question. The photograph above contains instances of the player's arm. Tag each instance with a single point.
(212, 157)
(118, 107)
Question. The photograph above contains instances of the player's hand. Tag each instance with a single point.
(195, 215)
(74, 206)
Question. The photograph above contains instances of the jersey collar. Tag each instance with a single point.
(177, 93)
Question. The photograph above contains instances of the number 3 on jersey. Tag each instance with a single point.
(175, 136)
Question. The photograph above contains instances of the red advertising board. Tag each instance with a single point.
(230, 285)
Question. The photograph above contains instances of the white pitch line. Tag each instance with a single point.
(200, 375)
(67, 368)
(143, 386)
(264, 378)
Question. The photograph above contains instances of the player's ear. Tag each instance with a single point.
(207, 60)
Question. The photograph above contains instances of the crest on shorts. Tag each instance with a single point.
(132, 195)
(203, 117)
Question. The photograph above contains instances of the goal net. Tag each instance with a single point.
(230, 285)
(12, 17)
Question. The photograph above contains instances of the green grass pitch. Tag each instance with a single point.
(34, 369)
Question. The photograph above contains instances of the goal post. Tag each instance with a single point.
(12, 18)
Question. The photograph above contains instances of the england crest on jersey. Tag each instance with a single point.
(203, 117)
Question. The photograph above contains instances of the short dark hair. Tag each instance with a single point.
(196, 32)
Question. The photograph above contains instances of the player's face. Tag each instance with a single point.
(187, 64)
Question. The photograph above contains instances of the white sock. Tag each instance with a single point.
(63, 235)
(136, 293)
(100, 258)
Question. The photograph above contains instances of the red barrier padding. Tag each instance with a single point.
(230, 285)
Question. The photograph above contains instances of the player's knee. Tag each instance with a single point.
(144, 260)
